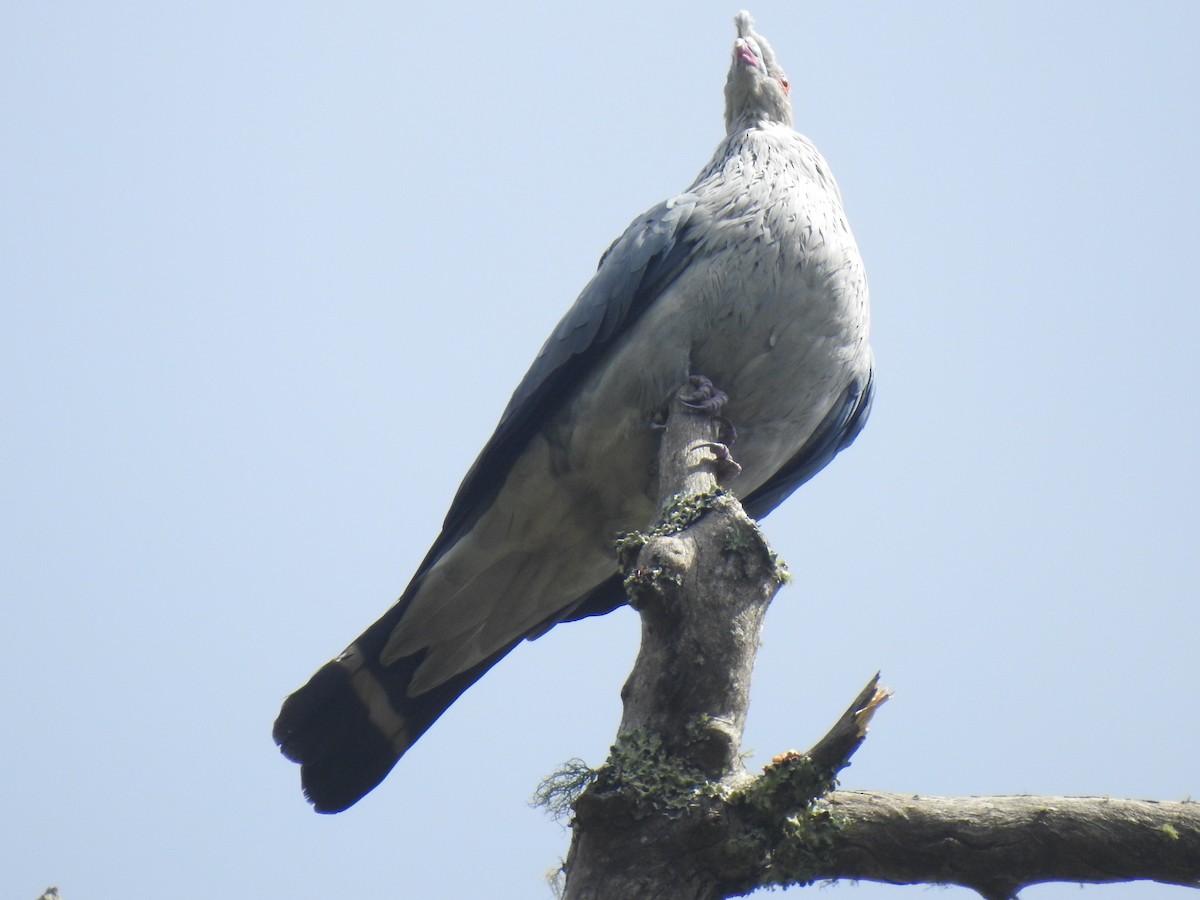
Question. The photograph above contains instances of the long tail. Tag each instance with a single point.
(353, 720)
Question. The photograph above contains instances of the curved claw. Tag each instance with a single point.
(702, 395)
(727, 466)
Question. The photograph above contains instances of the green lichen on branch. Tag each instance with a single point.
(682, 510)
(739, 540)
(640, 768)
(743, 537)
(643, 580)
(800, 849)
(657, 781)
(787, 834)
(781, 569)
(791, 782)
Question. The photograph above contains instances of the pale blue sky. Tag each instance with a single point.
(271, 271)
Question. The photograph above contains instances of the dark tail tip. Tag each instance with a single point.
(327, 729)
(349, 726)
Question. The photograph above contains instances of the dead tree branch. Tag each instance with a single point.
(998, 845)
(673, 813)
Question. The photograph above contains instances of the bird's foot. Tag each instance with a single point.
(705, 398)
(727, 466)
(702, 395)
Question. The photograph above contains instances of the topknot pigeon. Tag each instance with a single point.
(750, 277)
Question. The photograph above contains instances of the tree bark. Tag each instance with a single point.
(673, 815)
(998, 845)
(645, 826)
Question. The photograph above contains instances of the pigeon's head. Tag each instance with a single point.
(756, 91)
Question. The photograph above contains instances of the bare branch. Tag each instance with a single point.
(998, 845)
(651, 822)
(833, 751)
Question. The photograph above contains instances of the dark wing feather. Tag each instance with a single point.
(632, 274)
(834, 434)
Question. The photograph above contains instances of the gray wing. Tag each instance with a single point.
(837, 431)
(632, 274)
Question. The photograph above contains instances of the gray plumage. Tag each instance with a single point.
(750, 277)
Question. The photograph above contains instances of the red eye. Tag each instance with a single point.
(787, 85)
